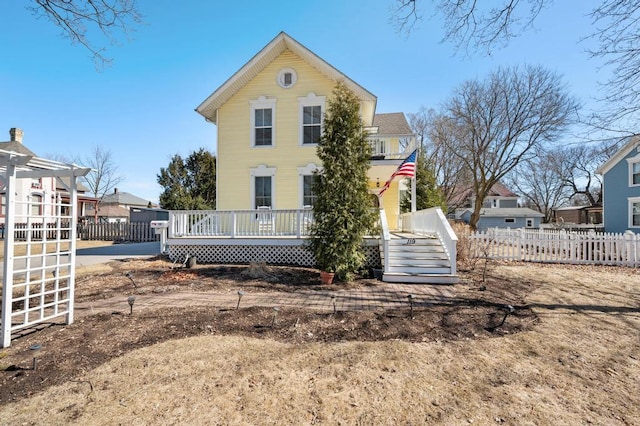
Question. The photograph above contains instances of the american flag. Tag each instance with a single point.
(406, 168)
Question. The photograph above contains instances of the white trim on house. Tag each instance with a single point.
(263, 171)
(263, 103)
(631, 202)
(633, 162)
(308, 101)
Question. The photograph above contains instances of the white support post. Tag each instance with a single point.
(73, 200)
(9, 235)
(413, 194)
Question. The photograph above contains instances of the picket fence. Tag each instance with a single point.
(130, 232)
(557, 246)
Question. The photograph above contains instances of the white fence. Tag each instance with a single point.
(558, 247)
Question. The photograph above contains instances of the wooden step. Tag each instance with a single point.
(398, 277)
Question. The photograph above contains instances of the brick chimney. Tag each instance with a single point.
(16, 134)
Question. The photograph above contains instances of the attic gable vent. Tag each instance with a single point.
(287, 77)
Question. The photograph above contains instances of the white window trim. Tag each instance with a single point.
(631, 202)
(307, 170)
(631, 161)
(263, 103)
(280, 77)
(262, 171)
(529, 220)
(509, 220)
(310, 100)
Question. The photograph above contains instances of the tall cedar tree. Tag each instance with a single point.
(428, 193)
(342, 210)
(189, 184)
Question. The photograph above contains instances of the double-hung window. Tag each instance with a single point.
(263, 127)
(263, 192)
(311, 111)
(634, 173)
(634, 212)
(308, 196)
(263, 119)
(311, 124)
(262, 187)
(36, 204)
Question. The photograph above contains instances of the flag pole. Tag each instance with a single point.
(413, 185)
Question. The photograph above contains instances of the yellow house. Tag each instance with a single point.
(269, 116)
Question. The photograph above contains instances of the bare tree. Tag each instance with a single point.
(495, 124)
(77, 19)
(538, 180)
(473, 24)
(103, 177)
(576, 165)
(449, 170)
(484, 26)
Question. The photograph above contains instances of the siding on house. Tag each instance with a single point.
(286, 159)
(505, 218)
(502, 202)
(236, 157)
(616, 194)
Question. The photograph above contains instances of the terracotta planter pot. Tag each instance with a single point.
(326, 277)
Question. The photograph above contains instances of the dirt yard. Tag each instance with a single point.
(529, 345)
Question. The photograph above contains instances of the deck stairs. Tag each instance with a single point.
(414, 258)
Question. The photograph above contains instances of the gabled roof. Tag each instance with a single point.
(499, 190)
(260, 61)
(634, 142)
(462, 193)
(392, 124)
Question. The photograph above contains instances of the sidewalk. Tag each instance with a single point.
(382, 297)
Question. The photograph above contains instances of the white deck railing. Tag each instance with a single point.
(433, 221)
(240, 223)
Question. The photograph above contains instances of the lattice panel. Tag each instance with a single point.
(272, 254)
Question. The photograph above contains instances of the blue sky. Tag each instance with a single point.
(142, 107)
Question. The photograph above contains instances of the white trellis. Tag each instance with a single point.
(39, 245)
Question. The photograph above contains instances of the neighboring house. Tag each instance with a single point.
(621, 189)
(269, 118)
(499, 196)
(507, 217)
(38, 195)
(116, 207)
(578, 215)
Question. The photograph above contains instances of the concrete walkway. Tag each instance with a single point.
(380, 297)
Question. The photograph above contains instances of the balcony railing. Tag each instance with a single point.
(383, 148)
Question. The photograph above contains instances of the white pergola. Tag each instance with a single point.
(38, 279)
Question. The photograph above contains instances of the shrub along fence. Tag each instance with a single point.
(136, 232)
(557, 246)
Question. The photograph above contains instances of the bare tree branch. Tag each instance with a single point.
(79, 20)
